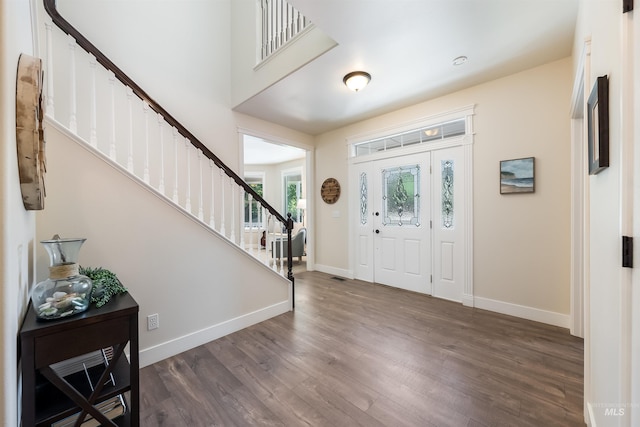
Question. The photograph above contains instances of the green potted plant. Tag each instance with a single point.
(105, 284)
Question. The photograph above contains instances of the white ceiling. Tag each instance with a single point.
(408, 47)
(260, 152)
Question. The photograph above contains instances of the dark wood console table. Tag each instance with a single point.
(48, 398)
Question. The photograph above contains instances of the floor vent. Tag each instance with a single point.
(339, 279)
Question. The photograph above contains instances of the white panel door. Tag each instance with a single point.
(401, 216)
(448, 223)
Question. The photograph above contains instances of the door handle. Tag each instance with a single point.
(377, 214)
(377, 231)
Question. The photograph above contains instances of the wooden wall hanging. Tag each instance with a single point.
(29, 132)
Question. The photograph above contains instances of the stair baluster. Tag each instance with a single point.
(93, 136)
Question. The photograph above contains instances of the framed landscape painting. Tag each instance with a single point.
(598, 125)
(517, 176)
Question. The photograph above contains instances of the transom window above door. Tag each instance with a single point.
(426, 134)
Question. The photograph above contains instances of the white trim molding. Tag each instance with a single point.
(156, 353)
(522, 311)
(340, 272)
(467, 293)
(579, 187)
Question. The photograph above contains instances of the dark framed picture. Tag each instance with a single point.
(598, 125)
(517, 175)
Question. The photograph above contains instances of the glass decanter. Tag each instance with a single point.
(66, 292)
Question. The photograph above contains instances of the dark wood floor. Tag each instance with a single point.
(360, 354)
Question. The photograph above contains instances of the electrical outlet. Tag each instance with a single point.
(153, 321)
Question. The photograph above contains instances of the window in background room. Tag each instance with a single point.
(253, 211)
(292, 182)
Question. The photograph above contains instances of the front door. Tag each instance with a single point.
(393, 240)
(412, 225)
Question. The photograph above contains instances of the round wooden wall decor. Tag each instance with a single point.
(29, 133)
(330, 190)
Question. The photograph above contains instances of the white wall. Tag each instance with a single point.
(17, 226)
(606, 341)
(521, 242)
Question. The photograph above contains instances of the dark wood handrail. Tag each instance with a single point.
(66, 27)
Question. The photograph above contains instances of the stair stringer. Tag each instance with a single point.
(202, 285)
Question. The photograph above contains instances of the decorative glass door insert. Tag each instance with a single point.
(447, 193)
(401, 196)
(364, 196)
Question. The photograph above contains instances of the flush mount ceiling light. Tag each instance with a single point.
(356, 80)
(460, 60)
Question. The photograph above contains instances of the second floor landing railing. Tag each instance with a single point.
(107, 109)
(280, 22)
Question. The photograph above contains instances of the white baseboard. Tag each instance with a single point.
(530, 313)
(347, 274)
(151, 355)
(467, 300)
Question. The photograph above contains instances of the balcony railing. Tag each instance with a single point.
(281, 22)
